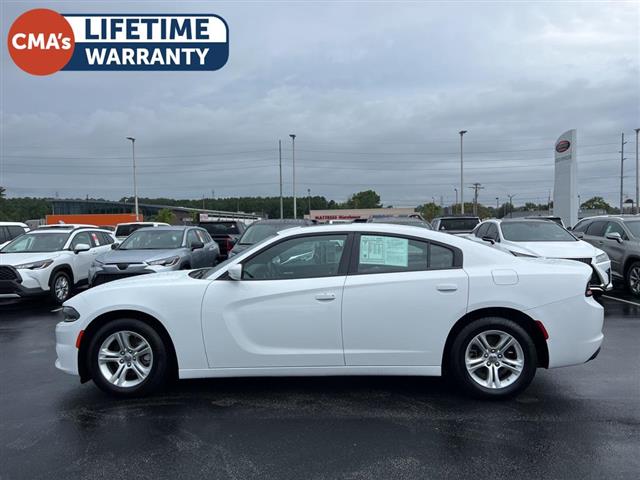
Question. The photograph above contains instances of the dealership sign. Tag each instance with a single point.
(42, 42)
(565, 192)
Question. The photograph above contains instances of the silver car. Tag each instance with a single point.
(619, 237)
(156, 249)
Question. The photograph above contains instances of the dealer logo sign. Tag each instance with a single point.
(42, 42)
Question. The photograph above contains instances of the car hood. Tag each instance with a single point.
(138, 256)
(20, 258)
(577, 249)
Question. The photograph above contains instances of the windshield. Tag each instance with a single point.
(461, 224)
(154, 239)
(221, 228)
(126, 230)
(634, 226)
(37, 242)
(541, 231)
(258, 232)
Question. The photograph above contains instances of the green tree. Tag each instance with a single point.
(596, 203)
(429, 210)
(2, 193)
(165, 215)
(364, 199)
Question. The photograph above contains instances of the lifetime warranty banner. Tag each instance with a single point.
(42, 42)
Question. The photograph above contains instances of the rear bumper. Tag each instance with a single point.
(575, 329)
(66, 351)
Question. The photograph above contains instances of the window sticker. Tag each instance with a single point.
(378, 250)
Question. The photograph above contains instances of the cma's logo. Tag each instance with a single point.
(562, 146)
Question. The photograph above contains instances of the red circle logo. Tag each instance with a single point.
(41, 41)
(563, 146)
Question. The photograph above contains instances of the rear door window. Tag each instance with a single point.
(482, 230)
(596, 229)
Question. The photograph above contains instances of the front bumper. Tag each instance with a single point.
(23, 283)
(99, 274)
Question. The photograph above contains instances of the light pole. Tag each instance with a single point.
(135, 184)
(497, 205)
(637, 130)
(510, 205)
(280, 163)
(309, 197)
(622, 159)
(461, 132)
(454, 205)
(293, 157)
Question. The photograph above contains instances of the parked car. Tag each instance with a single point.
(258, 231)
(543, 238)
(355, 299)
(52, 260)
(226, 233)
(398, 220)
(456, 224)
(619, 237)
(155, 249)
(123, 230)
(11, 230)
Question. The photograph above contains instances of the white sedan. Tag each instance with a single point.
(527, 237)
(358, 299)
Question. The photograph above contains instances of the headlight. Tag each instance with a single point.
(34, 265)
(518, 254)
(70, 314)
(165, 262)
(603, 257)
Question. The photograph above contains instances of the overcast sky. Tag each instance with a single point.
(376, 93)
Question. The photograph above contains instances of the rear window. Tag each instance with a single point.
(221, 228)
(460, 224)
(126, 230)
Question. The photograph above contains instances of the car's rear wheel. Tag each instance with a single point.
(633, 279)
(60, 287)
(128, 358)
(493, 358)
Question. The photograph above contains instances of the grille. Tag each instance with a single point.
(100, 279)
(8, 273)
(583, 260)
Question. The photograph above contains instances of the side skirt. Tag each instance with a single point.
(423, 370)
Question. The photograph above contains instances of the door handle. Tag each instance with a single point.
(447, 287)
(325, 297)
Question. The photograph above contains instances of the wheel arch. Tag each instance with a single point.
(98, 322)
(522, 319)
(628, 262)
(64, 267)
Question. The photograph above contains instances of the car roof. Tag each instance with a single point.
(13, 224)
(283, 221)
(167, 228)
(143, 223)
(450, 217)
(522, 220)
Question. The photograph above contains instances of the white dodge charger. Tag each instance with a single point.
(359, 299)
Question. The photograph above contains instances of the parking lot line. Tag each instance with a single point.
(621, 300)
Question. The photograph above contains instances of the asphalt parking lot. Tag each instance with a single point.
(578, 422)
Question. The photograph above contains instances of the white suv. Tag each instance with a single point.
(51, 261)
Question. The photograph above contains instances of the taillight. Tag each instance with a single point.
(229, 244)
(545, 334)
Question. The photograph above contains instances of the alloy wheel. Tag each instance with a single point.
(494, 359)
(634, 280)
(125, 359)
(61, 288)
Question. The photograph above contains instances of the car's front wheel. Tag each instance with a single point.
(493, 358)
(128, 358)
(60, 287)
(633, 278)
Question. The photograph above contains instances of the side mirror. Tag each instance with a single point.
(614, 236)
(488, 239)
(114, 246)
(235, 271)
(81, 247)
(197, 245)
(578, 234)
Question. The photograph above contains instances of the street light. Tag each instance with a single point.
(135, 185)
(309, 197)
(637, 175)
(293, 157)
(461, 132)
(454, 205)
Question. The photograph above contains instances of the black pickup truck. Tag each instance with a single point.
(225, 233)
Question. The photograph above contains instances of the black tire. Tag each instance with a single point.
(159, 369)
(55, 294)
(185, 266)
(457, 367)
(633, 270)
